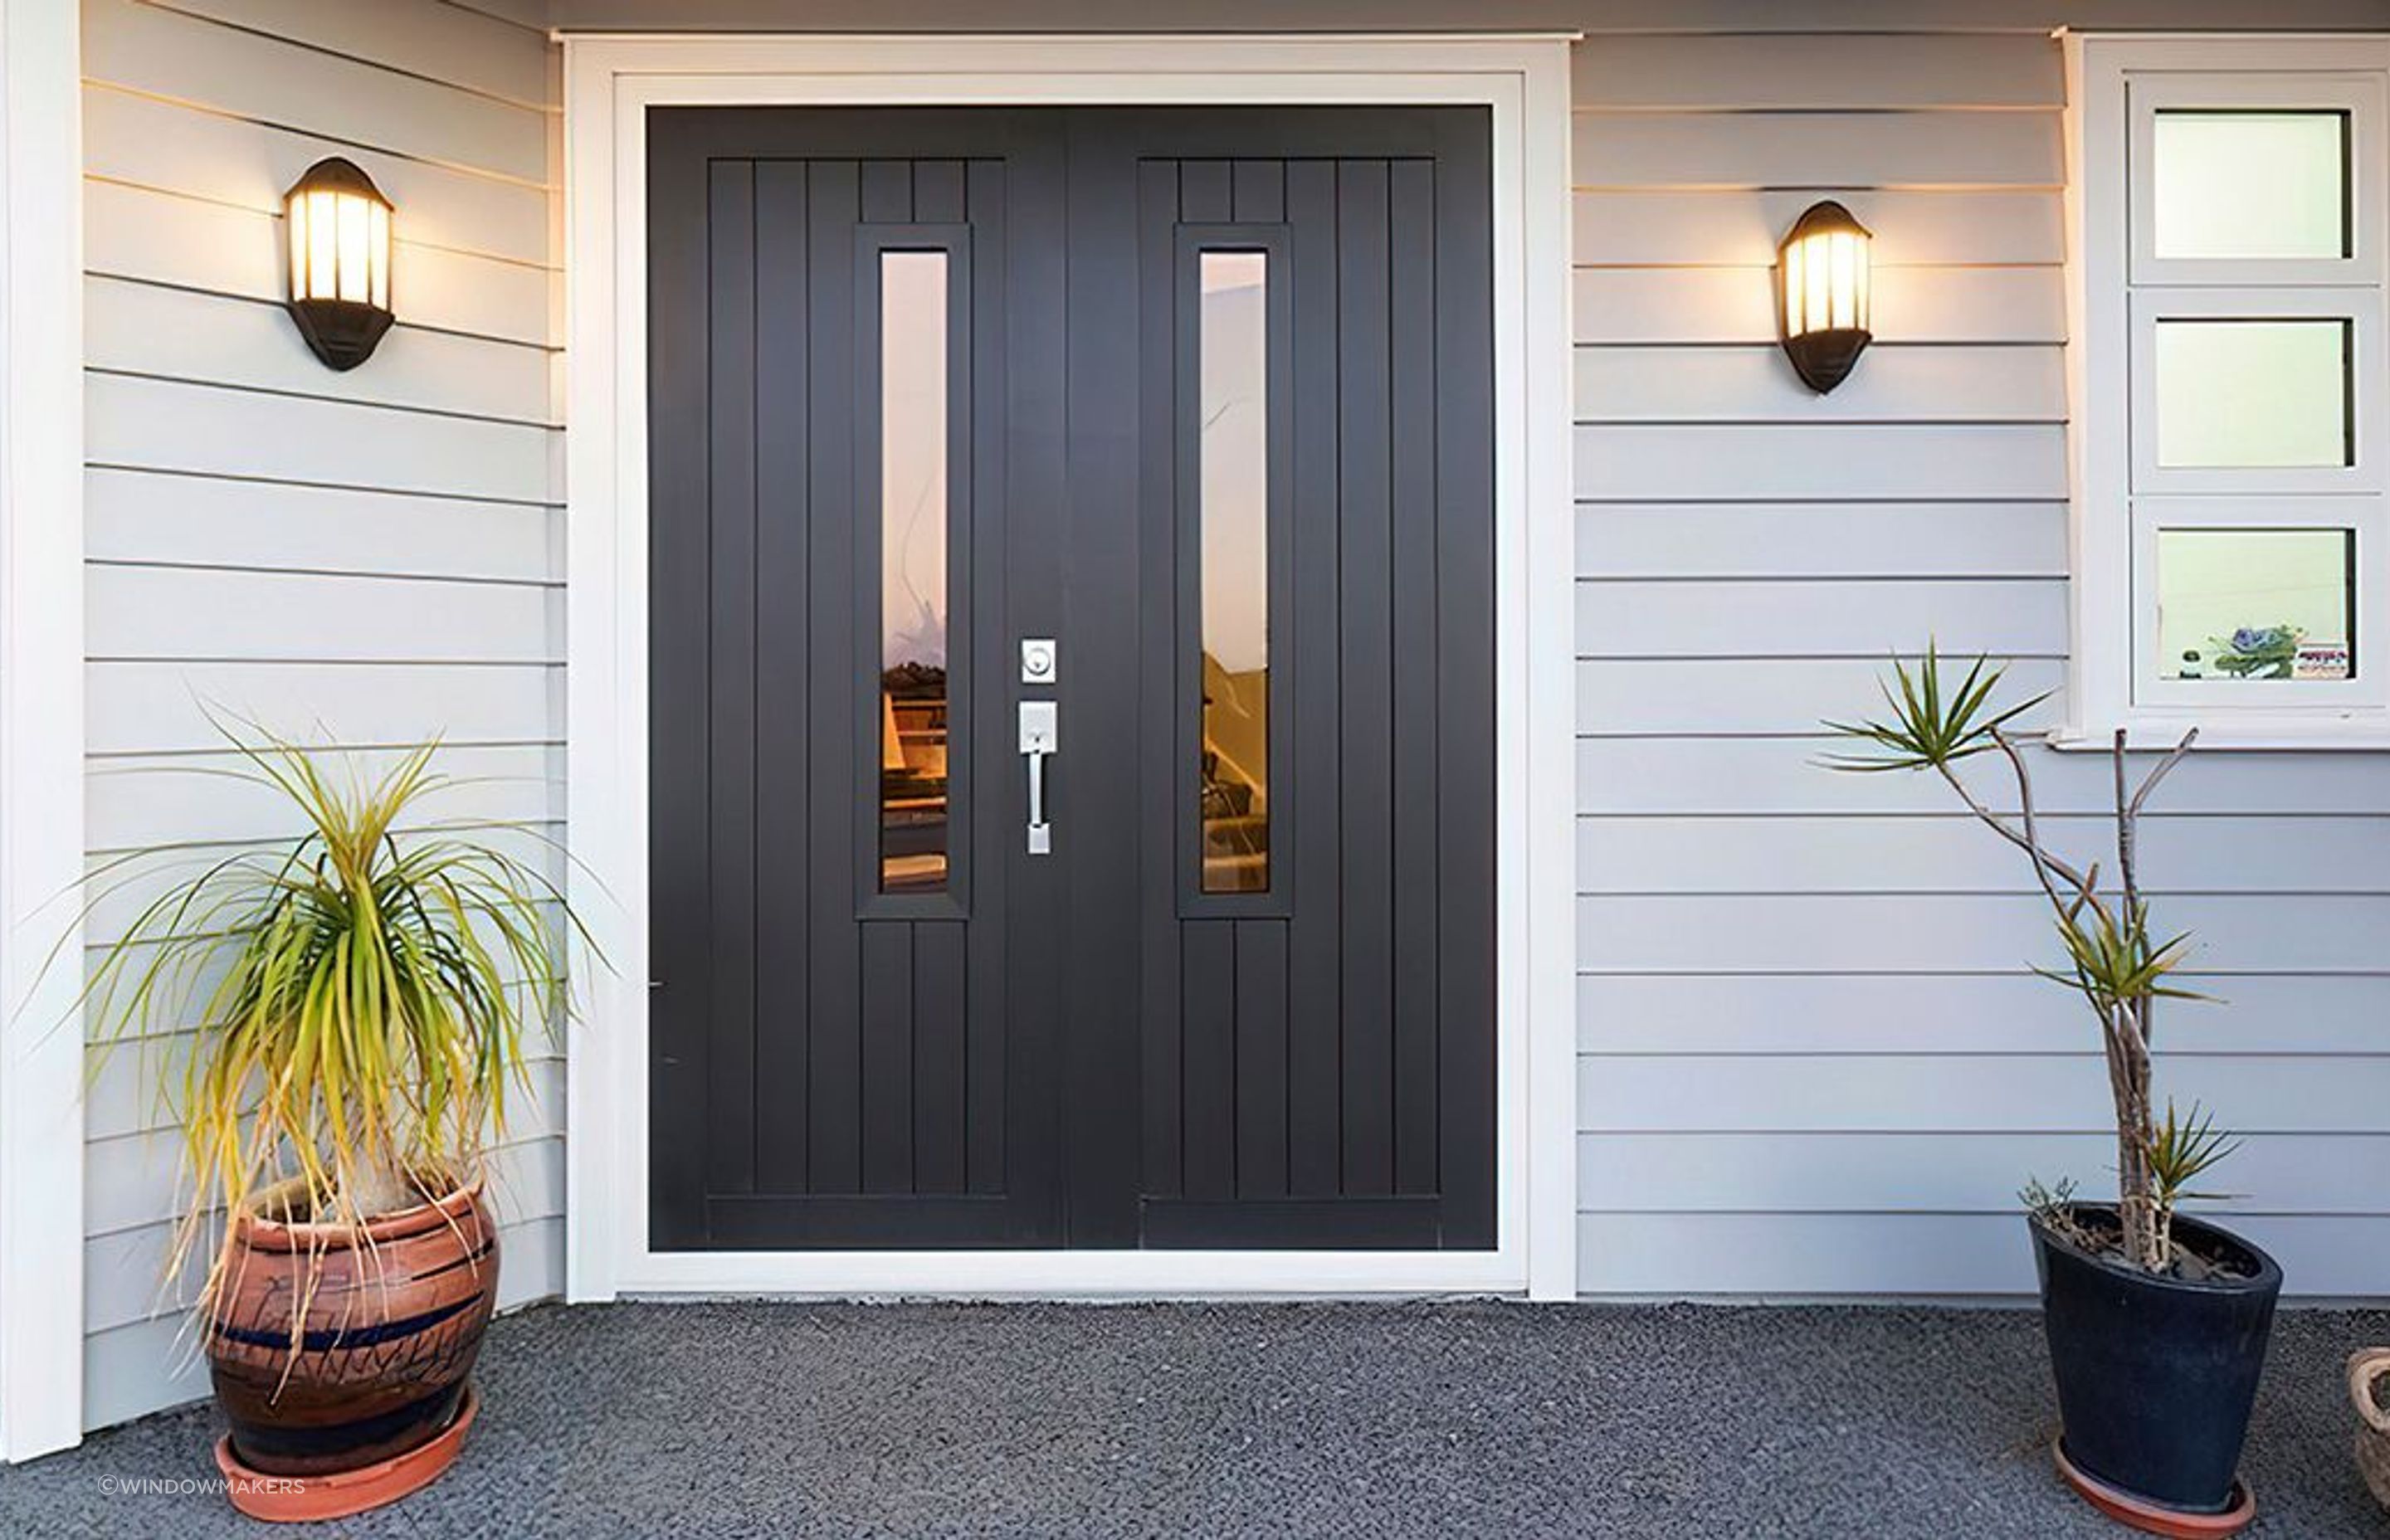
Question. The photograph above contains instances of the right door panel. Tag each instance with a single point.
(1313, 700)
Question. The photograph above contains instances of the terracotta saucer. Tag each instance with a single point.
(2138, 1512)
(301, 1499)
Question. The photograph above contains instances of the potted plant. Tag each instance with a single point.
(361, 998)
(2157, 1323)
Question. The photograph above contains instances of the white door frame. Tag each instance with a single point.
(41, 728)
(609, 81)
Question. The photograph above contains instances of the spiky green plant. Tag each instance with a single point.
(363, 995)
(2113, 961)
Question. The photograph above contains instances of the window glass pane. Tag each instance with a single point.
(2256, 604)
(2252, 393)
(1233, 359)
(2251, 184)
(913, 829)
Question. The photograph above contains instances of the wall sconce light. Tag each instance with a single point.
(1823, 287)
(339, 262)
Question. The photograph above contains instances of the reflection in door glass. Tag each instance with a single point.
(1233, 353)
(913, 826)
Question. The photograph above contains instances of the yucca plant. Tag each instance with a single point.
(2113, 958)
(363, 994)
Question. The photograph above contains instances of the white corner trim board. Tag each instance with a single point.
(41, 726)
(609, 82)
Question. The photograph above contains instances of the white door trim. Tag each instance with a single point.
(609, 82)
(41, 728)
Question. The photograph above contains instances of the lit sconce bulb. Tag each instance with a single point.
(339, 229)
(1822, 271)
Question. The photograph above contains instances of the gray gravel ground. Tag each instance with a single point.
(1452, 1419)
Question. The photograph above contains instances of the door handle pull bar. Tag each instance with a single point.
(1039, 738)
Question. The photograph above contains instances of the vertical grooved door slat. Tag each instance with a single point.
(938, 1001)
(938, 192)
(1208, 989)
(835, 1083)
(1257, 192)
(730, 683)
(1464, 549)
(887, 192)
(1204, 193)
(783, 714)
(1411, 372)
(1364, 793)
(888, 1027)
(678, 582)
(1315, 1154)
(1261, 1058)
(1163, 1086)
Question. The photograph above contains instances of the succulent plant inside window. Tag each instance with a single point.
(2257, 651)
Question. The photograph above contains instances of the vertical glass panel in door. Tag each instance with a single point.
(2256, 603)
(2252, 393)
(1233, 420)
(2233, 186)
(914, 828)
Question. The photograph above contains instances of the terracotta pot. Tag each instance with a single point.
(2368, 1366)
(391, 1324)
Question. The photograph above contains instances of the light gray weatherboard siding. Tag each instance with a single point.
(378, 555)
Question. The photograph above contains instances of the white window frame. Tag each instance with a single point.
(610, 80)
(2118, 290)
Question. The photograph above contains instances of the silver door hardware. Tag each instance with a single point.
(1037, 660)
(1039, 738)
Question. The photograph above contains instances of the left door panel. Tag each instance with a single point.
(855, 362)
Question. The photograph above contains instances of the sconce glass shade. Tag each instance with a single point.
(338, 226)
(1822, 270)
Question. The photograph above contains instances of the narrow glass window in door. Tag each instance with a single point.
(913, 824)
(1233, 366)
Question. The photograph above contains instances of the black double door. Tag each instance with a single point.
(1072, 673)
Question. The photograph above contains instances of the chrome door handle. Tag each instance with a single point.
(1039, 738)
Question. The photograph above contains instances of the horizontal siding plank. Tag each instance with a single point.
(144, 329)
(173, 149)
(1948, 1093)
(1934, 933)
(164, 239)
(1884, 70)
(1811, 462)
(1629, 618)
(1818, 149)
(137, 1370)
(1941, 1172)
(1822, 539)
(124, 1098)
(1757, 384)
(136, 804)
(167, 54)
(149, 707)
(1741, 227)
(1765, 776)
(163, 425)
(2252, 856)
(1750, 696)
(420, 37)
(145, 516)
(1797, 1255)
(1680, 305)
(2015, 1012)
(165, 612)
